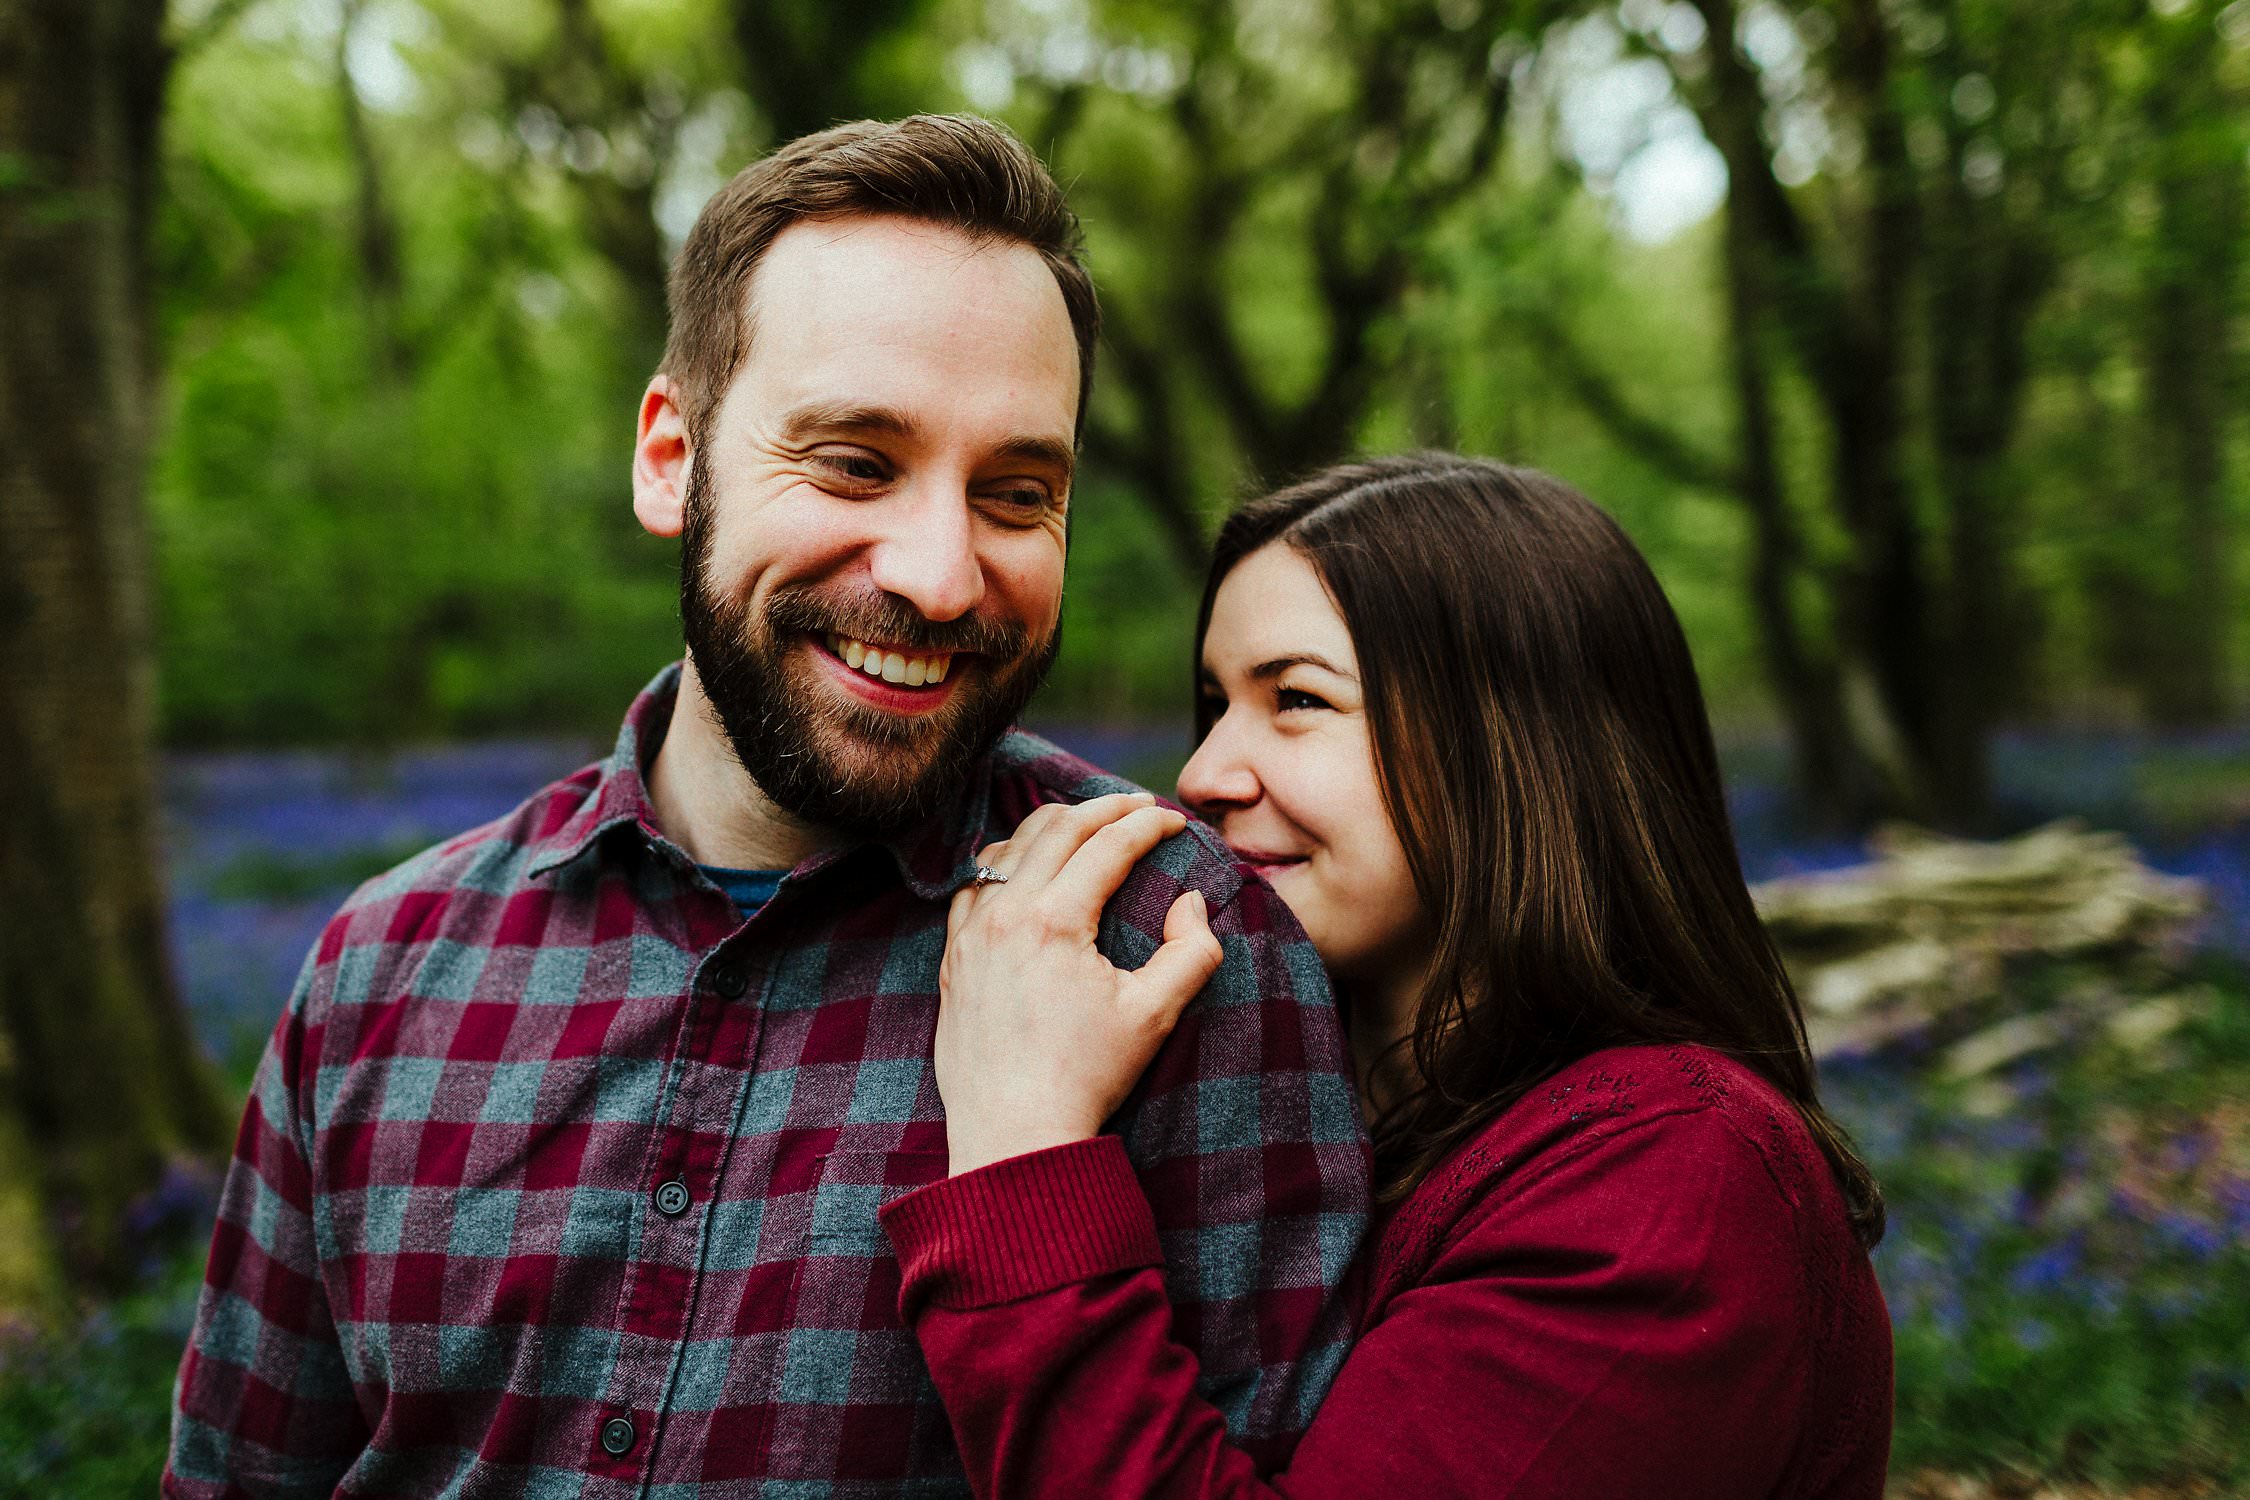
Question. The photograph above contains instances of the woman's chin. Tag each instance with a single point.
(1291, 883)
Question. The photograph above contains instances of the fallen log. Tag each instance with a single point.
(1994, 950)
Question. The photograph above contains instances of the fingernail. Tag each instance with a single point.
(1202, 907)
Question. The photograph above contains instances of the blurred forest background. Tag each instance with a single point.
(1905, 336)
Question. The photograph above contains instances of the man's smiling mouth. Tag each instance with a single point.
(889, 664)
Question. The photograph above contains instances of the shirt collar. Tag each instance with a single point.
(935, 857)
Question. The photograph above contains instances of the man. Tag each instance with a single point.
(561, 1172)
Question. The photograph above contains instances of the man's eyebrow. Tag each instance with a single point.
(1053, 452)
(844, 416)
(1280, 664)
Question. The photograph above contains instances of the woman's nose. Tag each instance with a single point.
(1218, 776)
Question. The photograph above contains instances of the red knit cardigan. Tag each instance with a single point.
(1638, 1281)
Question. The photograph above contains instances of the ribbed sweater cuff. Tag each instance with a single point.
(1022, 1226)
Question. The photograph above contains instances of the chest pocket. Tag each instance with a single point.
(847, 1348)
(854, 1187)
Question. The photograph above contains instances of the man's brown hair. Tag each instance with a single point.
(958, 171)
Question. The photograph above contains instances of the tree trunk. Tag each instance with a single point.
(1835, 780)
(808, 60)
(103, 1077)
(1149, 452)
(1843, 336)
(2192, 278)
(1858, 366)
(382, 277)
(594, 88)
(1987, 278)
(1365, 180)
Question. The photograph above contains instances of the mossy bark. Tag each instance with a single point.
(105, 1083)
(32, 1286)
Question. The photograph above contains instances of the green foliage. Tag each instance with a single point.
(347, 552)
(411, 282)
(86, 1407)
(403, 353)
(388, 519)
(1128, 617)
(86, 1417)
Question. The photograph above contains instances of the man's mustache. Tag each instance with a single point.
(876, 616)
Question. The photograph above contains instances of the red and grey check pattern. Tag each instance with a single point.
(559, 1178)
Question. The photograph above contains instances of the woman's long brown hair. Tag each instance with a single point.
(1544, 753)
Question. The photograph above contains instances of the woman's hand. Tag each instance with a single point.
(1039, 1037)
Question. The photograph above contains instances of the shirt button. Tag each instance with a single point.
(730, 981)
(617, 1437)
(672, 1199)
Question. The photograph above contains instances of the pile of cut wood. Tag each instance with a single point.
(1988, 951)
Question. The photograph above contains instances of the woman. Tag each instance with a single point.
(1448, 713)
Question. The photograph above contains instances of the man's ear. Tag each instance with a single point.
(662, 460)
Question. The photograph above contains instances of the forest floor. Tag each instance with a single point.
(1941, 1486)
(2068, 1270)
(1958, 1487)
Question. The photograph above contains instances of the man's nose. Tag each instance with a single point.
(927, 553)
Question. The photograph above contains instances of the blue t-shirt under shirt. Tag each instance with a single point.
(750, 889)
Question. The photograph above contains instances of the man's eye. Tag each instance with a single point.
(854, 468)
(1027, 500)
(1286, 699)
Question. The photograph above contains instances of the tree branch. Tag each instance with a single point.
(216, 23)
(1149, 455)
(377, 236)
(1731, 108)
(1066, 106)
(1200, 305)
(1647, 436)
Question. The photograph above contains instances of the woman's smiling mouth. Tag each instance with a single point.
(1267, 862)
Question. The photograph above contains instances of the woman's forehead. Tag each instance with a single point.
(1272, 605)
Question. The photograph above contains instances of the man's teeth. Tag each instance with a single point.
(910, 671)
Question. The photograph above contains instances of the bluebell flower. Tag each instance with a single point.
(2188, 1232)
(2050, 1268)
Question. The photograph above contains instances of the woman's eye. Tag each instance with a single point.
(1286, 699)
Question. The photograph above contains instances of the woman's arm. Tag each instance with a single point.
(1621, 1313)
(1628, 1320)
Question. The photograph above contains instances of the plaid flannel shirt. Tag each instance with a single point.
(560, 1178)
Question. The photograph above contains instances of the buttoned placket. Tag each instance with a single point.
(723, 1015)
(724, 1010)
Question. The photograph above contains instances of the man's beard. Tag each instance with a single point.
(819, 756)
